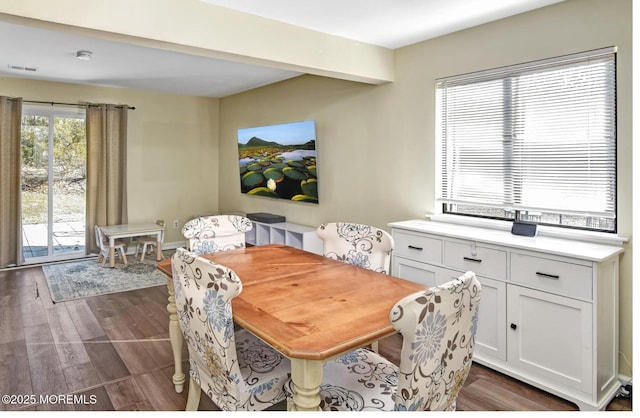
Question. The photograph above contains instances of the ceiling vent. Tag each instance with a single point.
(22, 68)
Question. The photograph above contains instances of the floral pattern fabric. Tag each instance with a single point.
(360, 245)
(210, 234)
(438, 327)
(235, 369)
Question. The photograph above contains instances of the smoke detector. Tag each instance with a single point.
(84, 55)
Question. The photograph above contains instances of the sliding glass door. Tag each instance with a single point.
(53, 183)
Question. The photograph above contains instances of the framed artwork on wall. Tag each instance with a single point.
(279, 161)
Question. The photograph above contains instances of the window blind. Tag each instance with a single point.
(539, 136)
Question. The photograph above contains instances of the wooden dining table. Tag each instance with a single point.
(309, 307)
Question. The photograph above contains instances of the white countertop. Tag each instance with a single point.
(560, 246)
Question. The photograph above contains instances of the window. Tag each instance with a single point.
(532, 142)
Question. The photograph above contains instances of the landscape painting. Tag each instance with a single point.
(279, 161)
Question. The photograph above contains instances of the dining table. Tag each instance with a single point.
(309, 307)
(114, 232)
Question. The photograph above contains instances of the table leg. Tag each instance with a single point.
(112, 253)
(176, 338)
(159, 255)
(306, 376)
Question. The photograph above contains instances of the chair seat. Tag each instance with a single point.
(263, 372)
(361, 380)
(264, 369)
(119, 243)
(145, 245)
(120, 248)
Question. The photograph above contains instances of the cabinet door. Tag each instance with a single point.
(491, 336)
(550, 337)
(423, 273)
(426, 274)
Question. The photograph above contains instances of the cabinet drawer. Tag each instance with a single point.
(426, 274)
(559, 277)
(481, 260)
(417, 247)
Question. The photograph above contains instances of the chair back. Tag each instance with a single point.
(438, 327)
(203, 294)
(210, 234)
(101, 241)
(361, 245)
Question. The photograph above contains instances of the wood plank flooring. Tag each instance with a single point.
(112, 353)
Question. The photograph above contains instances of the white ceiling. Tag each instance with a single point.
(388, 23)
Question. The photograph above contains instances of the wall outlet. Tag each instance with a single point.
(176, 224)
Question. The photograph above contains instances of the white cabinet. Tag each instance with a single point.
(298, 236)
(549, 307)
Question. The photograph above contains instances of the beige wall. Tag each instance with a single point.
(172, 153)
(376, 144)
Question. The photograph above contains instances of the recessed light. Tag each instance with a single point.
(84, 55)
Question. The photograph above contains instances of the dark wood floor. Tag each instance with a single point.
(111, 353)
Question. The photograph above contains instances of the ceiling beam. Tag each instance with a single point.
(199, 28)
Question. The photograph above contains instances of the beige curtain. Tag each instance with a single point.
(10, 170)
(106, 168)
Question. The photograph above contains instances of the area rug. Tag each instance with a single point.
(81, 279)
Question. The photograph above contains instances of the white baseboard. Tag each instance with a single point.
(173, 245)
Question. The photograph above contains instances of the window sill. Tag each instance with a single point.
(546, 231)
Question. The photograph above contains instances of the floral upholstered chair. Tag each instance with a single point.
(236, 369)
(361, 245)
(438, 327)
(211, 234)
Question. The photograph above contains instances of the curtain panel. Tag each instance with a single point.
(10, 161)
(106, 126)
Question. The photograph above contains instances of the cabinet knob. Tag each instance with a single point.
(514, 326)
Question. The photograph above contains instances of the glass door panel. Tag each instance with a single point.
(53, 186)
(35, 186)
(68, 192)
